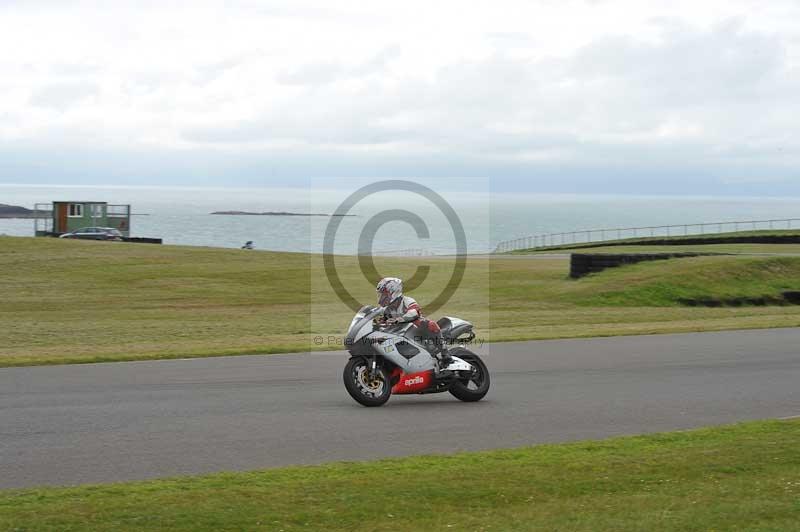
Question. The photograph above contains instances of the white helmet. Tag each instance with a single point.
(390, 289)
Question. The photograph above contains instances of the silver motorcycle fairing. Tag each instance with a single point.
(422, 361)
(390, 343)
(361, 325)
(459, 364)
(362, 338)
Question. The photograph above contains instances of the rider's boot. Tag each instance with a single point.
(443, 355)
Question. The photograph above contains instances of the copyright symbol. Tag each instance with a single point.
(319, 340)
(373, 225)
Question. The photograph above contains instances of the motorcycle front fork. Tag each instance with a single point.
(373, 367)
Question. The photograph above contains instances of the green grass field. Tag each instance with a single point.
(740, 477)
(76, 301)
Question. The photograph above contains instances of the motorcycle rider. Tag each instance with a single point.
(404, 309)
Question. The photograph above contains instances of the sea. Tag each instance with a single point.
(402, 222)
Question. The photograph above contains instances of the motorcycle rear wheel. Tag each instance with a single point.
(366, 391)
(476, 387)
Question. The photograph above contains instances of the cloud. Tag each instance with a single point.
(328, 72)
(701, 93)
(586, 88)
(60, 96)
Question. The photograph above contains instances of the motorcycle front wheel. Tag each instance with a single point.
(368, 391)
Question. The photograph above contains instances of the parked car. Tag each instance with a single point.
(94, 233)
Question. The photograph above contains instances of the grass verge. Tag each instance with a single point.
(739, 477)
(76, 301)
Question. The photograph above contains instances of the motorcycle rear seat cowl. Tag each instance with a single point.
(453, 328)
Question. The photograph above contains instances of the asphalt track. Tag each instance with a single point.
(78, 424)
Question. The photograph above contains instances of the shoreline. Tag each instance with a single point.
(270, 213)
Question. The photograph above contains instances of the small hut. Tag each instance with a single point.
(61, 217)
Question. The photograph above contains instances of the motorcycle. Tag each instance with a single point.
(389, 358)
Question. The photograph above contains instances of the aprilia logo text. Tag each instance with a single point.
(415, 380)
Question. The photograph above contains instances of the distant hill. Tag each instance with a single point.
(14, 211)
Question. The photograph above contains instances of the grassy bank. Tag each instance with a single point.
(694, 278)
(76, 301)
(741, 477)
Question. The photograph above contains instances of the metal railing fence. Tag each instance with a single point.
(418, 252)
(587, 236)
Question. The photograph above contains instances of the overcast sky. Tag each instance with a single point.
(677, 97)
